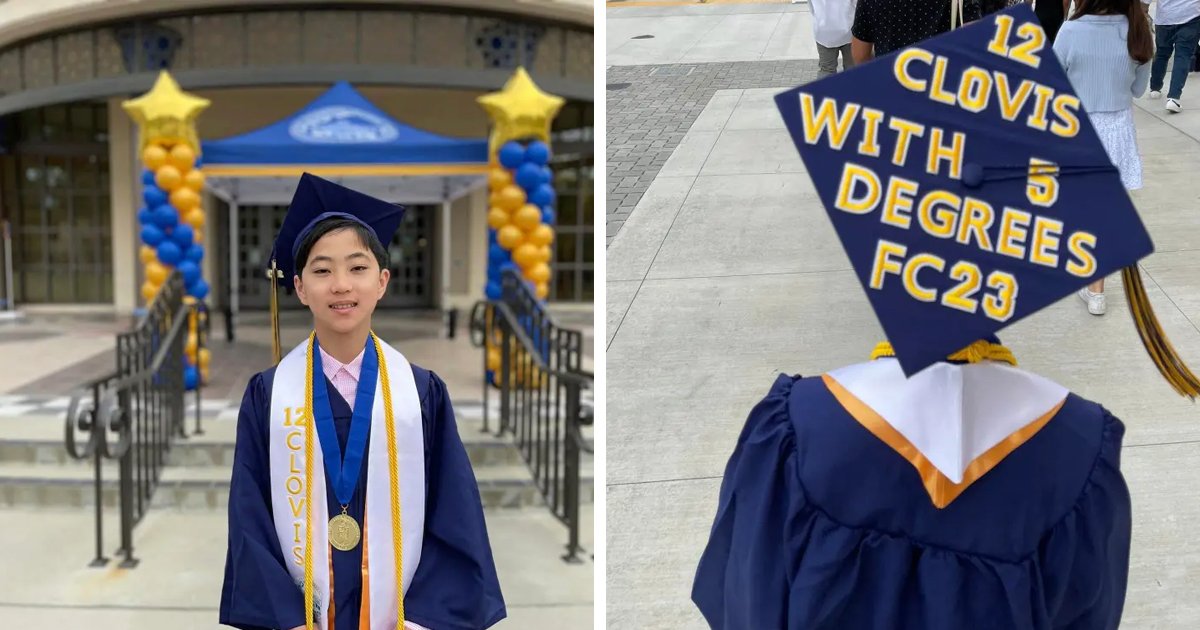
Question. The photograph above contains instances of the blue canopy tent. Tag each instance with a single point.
(343, 137)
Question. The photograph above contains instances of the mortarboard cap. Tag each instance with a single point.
(969, 189)
(316, 200)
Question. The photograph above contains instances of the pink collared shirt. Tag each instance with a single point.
(343, 376)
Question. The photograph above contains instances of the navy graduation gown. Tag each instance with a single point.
(455, 586)
(821, 525)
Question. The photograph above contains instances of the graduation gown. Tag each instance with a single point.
(455, 586)
(821, 525)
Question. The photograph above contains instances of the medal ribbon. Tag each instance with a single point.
(343, 472)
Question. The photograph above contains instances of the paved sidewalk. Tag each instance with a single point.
(727, 273)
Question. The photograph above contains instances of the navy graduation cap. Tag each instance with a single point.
(314, 201)
(318, 199)
(969, 189)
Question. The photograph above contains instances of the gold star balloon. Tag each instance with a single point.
(166, 114)
(520, 110)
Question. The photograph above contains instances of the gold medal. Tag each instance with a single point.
(344, 533)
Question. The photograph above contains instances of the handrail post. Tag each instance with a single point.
(571, 491)
(126, 484)
(95, 436)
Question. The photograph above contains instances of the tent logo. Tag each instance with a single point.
(342, 125)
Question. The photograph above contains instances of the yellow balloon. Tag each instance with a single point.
(541, 290)
(511, 198)
(509, 237)
(528, 217)
(154, 156)
(167, 177)
(205, 357)
(197, 236)
(542, 235)
(192, 343)
(525, 255)
(493, 359)
(156, 273)
(195, 218)
(147, 254)
(182, 157)
(540, 272)
(497, 218)
(149, 291)
(544, 253)
(499, 178)
(194, 180)
(185, 199)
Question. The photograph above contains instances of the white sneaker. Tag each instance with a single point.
(1174, 106)
(1155, 94)
(1095, 301)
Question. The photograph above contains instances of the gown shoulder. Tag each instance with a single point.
(821, 525)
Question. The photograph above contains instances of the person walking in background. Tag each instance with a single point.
(884, 26)
(1051, 14)
(831, 29)
(1176, 29)
(1105, 49)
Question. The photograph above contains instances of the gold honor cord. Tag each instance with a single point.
(308, 466)
(1154, 339)
(393, 474)
(981, 350)
(276, 349)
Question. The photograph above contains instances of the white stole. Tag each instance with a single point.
(289, 420)
(952, 413)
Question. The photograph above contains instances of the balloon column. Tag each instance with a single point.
(521, 210)
(521, 215)
(172, 219)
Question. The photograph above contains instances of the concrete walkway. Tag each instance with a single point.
(727, 272)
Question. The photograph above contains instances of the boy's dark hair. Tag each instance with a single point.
(334, 224)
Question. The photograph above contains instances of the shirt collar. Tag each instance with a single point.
(332, 366)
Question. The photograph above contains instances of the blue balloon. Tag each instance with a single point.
(198, 163)
(199, 290)
(190, 272)
(548, 215)
(493, 291)
(537, 152)
(154, 196)
(511, 154)
(497, 253)
(166, 216)
(183, 235)
(152, 236)
(506, 267)
(145, 216)
(169, 253)
(492, 238)
(195, 253)
(148, 177)
(191, 376)
(547, 175)
(529, 176)
(542, 196)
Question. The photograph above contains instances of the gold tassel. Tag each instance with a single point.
(276, 348)
(1154, 339)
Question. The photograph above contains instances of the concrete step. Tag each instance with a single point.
(207, 487)
(40, 440)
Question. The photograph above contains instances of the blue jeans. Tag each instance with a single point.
(1182, 39)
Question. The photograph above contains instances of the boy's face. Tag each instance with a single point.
(341, 283)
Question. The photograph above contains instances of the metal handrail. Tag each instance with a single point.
(541, 385)
(141, 403)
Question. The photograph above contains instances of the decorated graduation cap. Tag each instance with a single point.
(315, 201)
(969, 189)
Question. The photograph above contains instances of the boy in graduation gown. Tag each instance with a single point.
(351, 489)
(938, 486)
